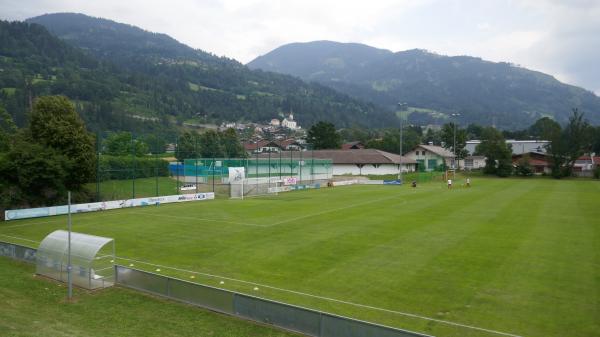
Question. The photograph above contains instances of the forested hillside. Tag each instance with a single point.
(434, 86)
(125, 78)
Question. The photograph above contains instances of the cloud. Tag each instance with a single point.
(558, 37)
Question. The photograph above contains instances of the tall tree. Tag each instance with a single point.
(56, 125)
(7, 129)
(595, 140)
(188, 146)
(569, 144)
(544, 128)
(323, 135)
(231, 144)
(211, 145)
(451, 132)
(33, 175)
(123, 144)
(389, 141)
(474, 131)
(433, 137)
(498, 154)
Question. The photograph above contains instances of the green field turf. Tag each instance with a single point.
(516, 256)
(33, 306)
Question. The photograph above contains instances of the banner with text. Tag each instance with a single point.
(14, 214)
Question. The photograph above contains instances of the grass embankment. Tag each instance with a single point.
(34, 306)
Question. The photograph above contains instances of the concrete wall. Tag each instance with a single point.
(353, 169)
(477, 163)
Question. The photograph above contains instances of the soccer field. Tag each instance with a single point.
(506, 257)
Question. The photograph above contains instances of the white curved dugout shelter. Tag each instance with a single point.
(92, 259)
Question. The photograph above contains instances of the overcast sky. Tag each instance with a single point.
(561, 38)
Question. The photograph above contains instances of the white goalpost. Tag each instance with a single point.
(237, 177)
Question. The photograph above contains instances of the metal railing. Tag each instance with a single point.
(17, 252)
(289, 317)
(285, 316)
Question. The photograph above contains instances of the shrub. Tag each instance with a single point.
(523, 167)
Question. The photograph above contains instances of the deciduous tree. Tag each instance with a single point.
(498, 154)
(324, 136)
(569, 144)
(211, 146)
(123, 144)
(231, 144)
(449, 130)
(56, 125)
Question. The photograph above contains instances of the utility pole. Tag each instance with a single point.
(454, 146)
(401, 107)
(69, 267)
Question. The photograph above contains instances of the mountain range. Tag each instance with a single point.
(124, 78)
(432, 87)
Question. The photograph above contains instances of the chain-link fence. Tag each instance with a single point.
(141, 166)
(265, 174)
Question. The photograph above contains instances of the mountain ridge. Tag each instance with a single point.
(481, 91)
(152, 77)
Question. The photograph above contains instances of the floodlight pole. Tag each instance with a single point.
(454, 146)
(69, 267)
(401, 127)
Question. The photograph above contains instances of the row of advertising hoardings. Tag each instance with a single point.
(15, 214)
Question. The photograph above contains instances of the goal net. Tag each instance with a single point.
(255, 187)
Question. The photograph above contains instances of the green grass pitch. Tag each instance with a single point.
(513, 256)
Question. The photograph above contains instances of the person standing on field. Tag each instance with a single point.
(468, 182)
(449, 183)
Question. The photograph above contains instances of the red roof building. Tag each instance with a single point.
(540, 162)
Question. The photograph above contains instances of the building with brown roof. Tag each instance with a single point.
(353, 145)
(540, 162)
(266, 146)
(360, 161)
(584, 166)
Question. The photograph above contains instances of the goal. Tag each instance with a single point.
(248, 187)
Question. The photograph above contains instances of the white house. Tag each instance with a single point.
(431, 157)
(289, 122)
(472, 162)
(518, 146)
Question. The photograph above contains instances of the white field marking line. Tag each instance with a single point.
(201, 219)
(18, 238)
(328, 299)
(333, 210)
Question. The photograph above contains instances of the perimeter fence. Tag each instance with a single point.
(18, 252)
(294, 318)
(289, 317)
(157, 168)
